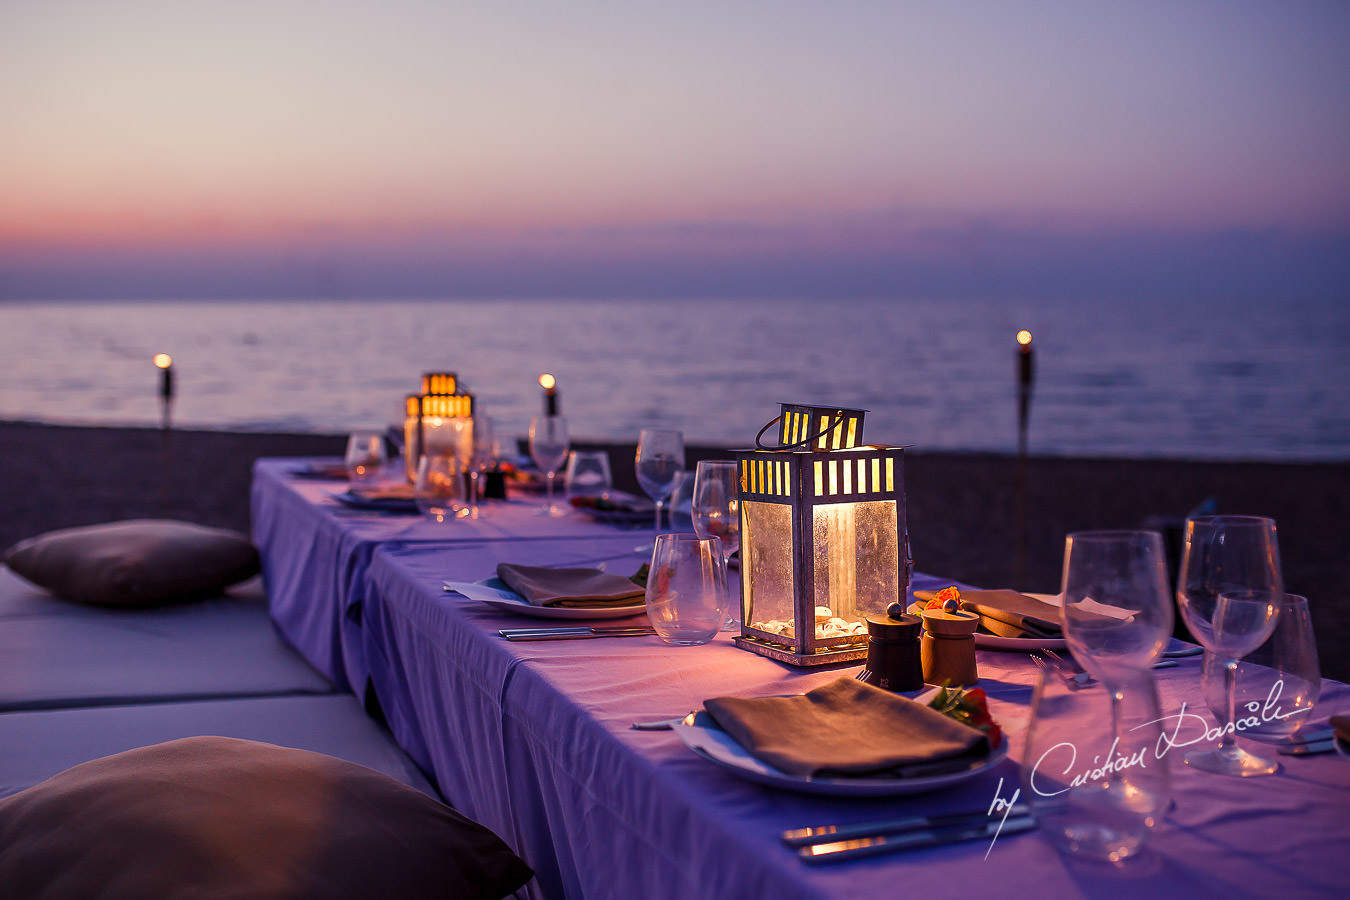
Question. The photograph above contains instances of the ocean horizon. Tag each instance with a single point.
(1145, 379)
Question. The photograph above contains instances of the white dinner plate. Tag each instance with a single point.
(702, 735)
(994, 642)
(494, 593)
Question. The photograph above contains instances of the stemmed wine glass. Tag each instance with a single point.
(660, 460)
(1221, 556)
(1241, 622)
(1117, 619)
(1117, 613)
(1281, 678)
(548, 449)
(716, 509)
(481, 455)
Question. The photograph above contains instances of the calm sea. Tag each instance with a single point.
(1146, 379)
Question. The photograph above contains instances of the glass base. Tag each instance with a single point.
(555, 511)
(1238, 762)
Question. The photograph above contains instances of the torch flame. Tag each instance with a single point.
(163, 360)
(1024, 337)
(546, 381)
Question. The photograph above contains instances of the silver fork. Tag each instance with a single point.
(1074, 681)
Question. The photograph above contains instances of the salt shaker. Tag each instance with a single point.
(948, 648)
(893, 653)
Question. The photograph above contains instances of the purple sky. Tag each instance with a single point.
(419, 149)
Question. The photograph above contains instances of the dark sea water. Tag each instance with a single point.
(1149, 379)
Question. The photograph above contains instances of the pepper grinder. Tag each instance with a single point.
(948, 647)
(893, 653)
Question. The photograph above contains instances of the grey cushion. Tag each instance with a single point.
(137, 563)
(221, 817)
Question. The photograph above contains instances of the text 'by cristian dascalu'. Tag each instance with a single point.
(1062, 758)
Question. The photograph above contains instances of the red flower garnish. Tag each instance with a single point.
(941, 597)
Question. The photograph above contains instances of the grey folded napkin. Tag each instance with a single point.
(848, 728)
(545, 586)
(1010, 614)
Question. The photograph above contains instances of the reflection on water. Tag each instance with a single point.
(1172, 380)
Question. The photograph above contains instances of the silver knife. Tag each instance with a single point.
(1310, 748)
(564, 634)
(800, 837)
(835, 851)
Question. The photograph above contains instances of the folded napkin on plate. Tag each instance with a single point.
(848, 728)
(1010, 614)
(544, 586)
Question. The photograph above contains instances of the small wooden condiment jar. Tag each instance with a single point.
(947, 651)
(893, 653)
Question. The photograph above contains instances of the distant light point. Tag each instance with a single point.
(163, 360)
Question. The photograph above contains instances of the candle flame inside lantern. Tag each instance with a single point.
(163, 360)
(1024, 337)
(546, 381)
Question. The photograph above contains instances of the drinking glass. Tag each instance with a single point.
(588, 474)
(686, 588)
(1241, 622)
(439, 488)
(1117, 612)
(481, 456)
(365, 457)
(1097, 784)
(715, 510)
(660, 460)
(1278, 683)
(548, 449)
(1222, 555)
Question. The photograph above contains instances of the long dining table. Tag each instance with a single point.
(535, 740)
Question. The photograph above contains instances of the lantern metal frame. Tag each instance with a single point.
(441, 398)
(819, 462)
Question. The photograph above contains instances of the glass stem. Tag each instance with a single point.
(550, 490)
(656, 529)
(1117, 700)
(473, 494)
(1228, 745)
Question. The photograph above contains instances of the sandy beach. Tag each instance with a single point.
(964, 509)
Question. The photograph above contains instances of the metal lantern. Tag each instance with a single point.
(824, 541)
(425, 416)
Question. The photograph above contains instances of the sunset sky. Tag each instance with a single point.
(290, 148)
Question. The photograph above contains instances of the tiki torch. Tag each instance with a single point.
(164, 362)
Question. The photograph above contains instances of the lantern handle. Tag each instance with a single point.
(835, 421)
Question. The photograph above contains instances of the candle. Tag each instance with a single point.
(549, 384)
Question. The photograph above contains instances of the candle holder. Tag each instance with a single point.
(824, 540)
(426, 413)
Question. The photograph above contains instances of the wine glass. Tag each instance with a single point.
(660, 460)
(481, 455)
(686, 589)
(439, 488)
(716, 509)
(1117, 613)
(1241, 622)
(1278, 682)
(365, 457)
(1222, 555)
(588, 474)
(548, 449)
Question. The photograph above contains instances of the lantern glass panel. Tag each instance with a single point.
(857, 558)
(766, 548)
